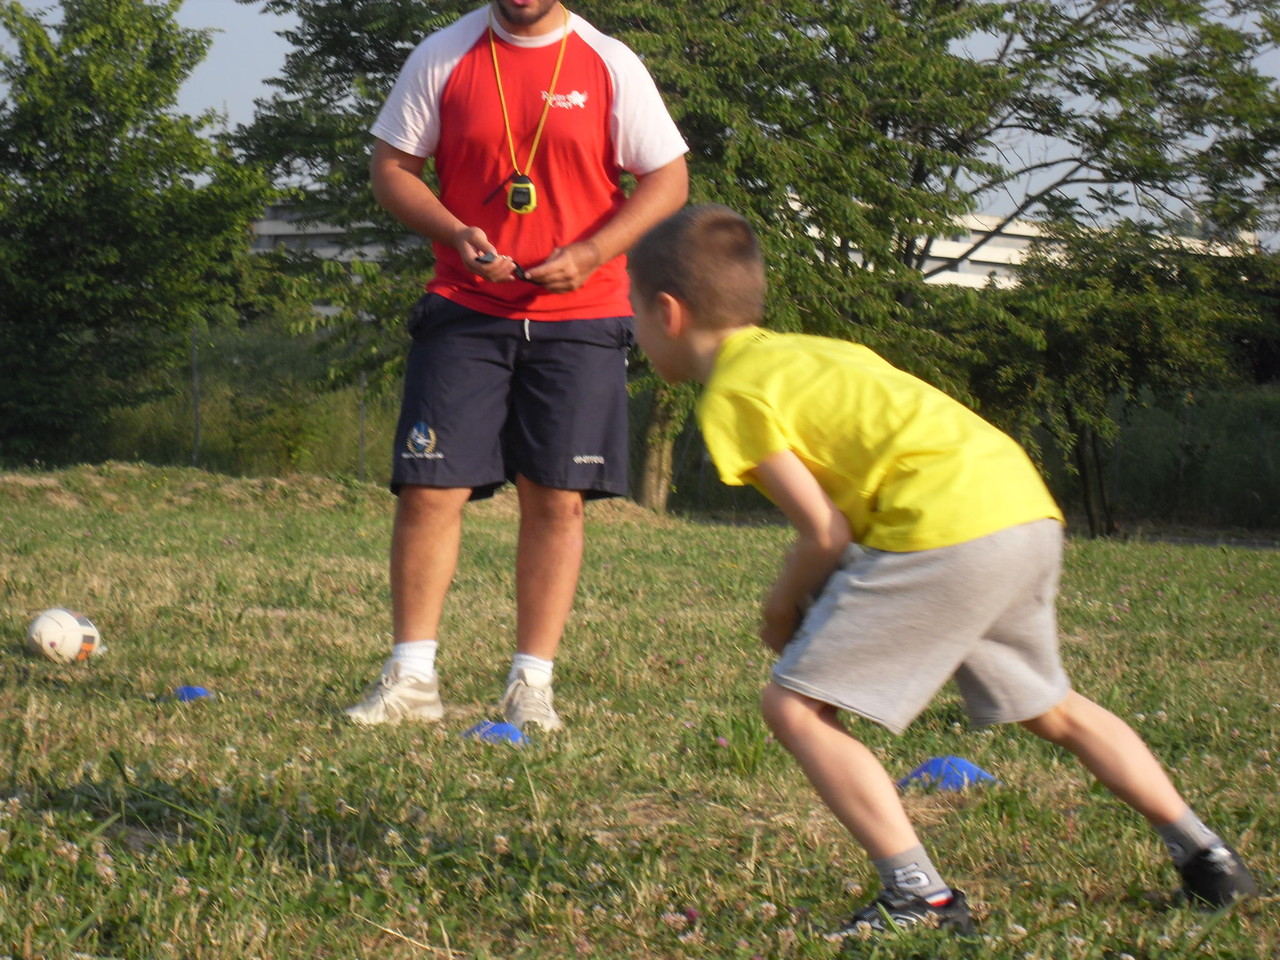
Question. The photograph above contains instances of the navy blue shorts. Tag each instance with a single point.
(486, 398)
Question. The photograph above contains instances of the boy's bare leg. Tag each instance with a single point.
(1113, 753)
(548, 560)
(847, 776)
(425, 537)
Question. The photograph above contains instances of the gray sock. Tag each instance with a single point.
(913, 873)
(1187, 836)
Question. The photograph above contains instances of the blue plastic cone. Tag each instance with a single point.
(946, 773)
(491, 732)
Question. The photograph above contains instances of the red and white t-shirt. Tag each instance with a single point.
(606, 117)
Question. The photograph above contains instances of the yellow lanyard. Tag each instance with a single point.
(546, 109)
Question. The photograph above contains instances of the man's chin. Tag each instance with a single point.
(523, 13)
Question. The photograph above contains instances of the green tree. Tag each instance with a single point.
(855, 136)
(121, 224)
(1253, 279)
(1101, 322)
(312, 137)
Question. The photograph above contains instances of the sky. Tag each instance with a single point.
(245, 52)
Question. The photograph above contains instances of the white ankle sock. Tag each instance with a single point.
(416, 657)
(527, 661)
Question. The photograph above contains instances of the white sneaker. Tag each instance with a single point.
(392, 698)
(528, 701)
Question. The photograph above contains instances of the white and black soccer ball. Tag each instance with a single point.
(64, 636)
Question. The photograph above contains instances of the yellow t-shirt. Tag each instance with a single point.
(912, 468)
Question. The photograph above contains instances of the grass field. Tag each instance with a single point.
(662, 823)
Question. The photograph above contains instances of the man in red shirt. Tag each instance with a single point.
(517, 370)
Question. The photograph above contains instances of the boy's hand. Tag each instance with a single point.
(774, 638)
(781, 618)
(822, 534)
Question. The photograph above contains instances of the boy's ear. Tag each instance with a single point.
(673, 313)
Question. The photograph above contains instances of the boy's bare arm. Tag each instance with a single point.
(822, 534)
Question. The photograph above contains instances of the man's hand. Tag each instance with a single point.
(567, 268)
(478, 255)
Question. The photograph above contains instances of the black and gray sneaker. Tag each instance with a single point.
(891, 910)
(1217, 877)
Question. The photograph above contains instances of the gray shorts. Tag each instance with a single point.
(889, 629)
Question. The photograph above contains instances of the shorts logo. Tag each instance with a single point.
(589, 458)
(420, 444)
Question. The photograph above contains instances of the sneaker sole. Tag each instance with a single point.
(393, 721)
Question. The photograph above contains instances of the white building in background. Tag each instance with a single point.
(996, 261)
(282, 228)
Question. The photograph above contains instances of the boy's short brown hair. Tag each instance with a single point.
(707, 257)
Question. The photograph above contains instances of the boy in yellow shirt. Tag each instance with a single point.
(927, 549)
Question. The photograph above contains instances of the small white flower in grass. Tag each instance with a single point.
(1017, 930)
(1077, 941)
(768, 910)
(501, 844)
(677, 921)
(68, 851)
(392, 839)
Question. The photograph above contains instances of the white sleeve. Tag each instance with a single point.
(644, 135)
(410, 118)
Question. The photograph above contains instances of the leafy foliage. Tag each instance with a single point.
(1102, 321)
(855, 136)
(121, 224)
